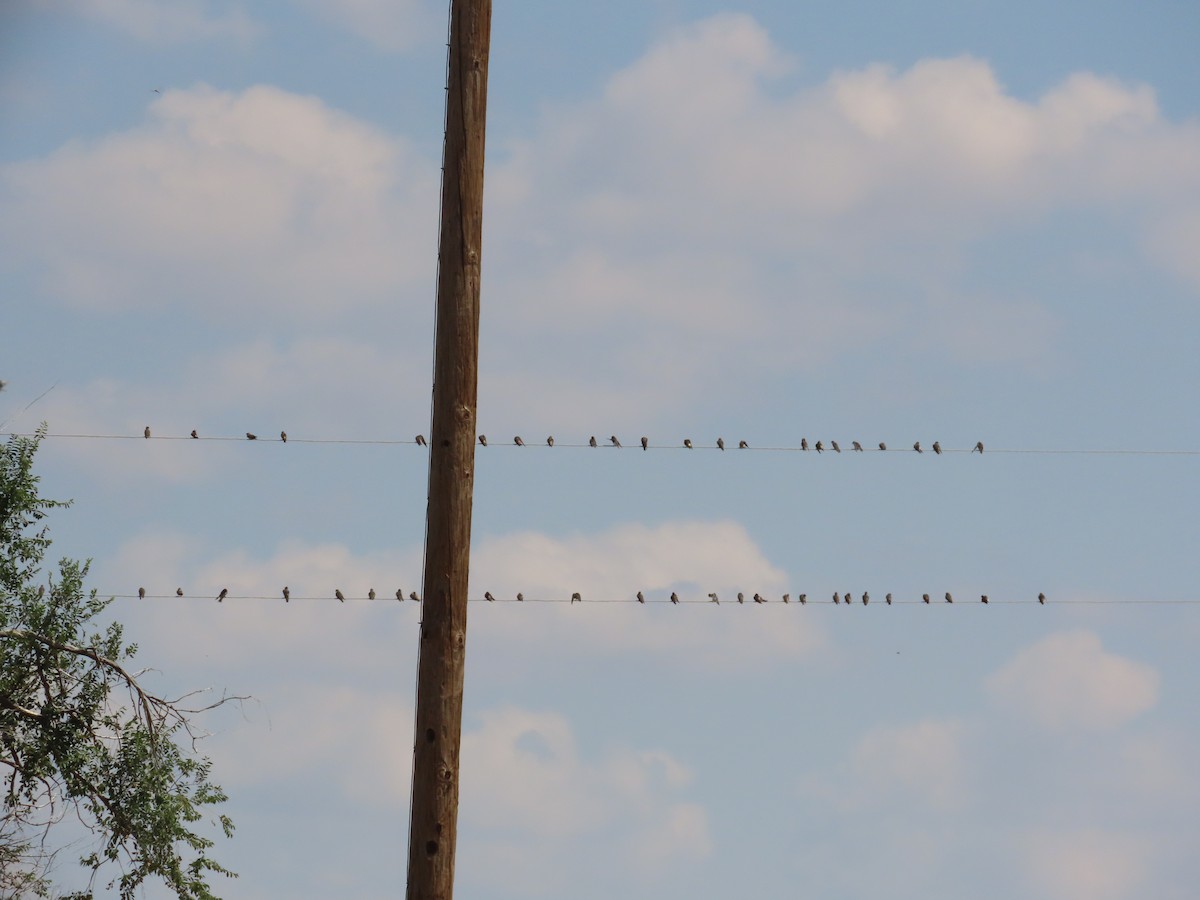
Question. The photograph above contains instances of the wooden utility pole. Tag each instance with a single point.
(434, 822)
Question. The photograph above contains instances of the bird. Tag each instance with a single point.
(949, 599)
(1042, 599)
(614, 440)
(759, 598)
(412, 595)
(550, 441)
(687, 442)
(287, 594)
(645, 442)
(487, 595)
(178, 592)
(400, 594)
(836, 448)
(837, 598)
(742, 445)
(520, 597)
(925, 597)
(483, 440)
(937, 448)
(866, 598)
(224, 593)
(283, 436)
(882, 445)
(576, 598)
(803, 443)
(917, 447)
(741, 597)
(194, 435)
(517, 440)
(674, 597)
(978, 447)
(141, 593)
(420, 439)
(251, 437)
(341, 597)
(787, 598)
(146, 433)
(713, 598)
(888, 599)
(846, 596)
(819, 447)
(720, 443)
(641, 597)
(371, 594)
(592, 441)
(803, 598)
(983, 598)
(857, 446)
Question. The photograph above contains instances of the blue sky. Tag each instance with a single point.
(760, 221)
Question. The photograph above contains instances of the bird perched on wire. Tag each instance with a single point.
(576, 598)
(592, 441)
(614, 440)
(412, 595)
(857, 446)
(983, 598)
(882, 445)
(283, 436)
(371, 594)
(978, 447)
(742, 445)
(287, 594)
(645, 442)
(917, 447)
(517, 440)
(819, 447)
(141, 593)
(803, 598)
(520, 597)
(836, 448)
(949, 599)
(194, 435)
(759, 598)
(251, 437)
(1042, 599)
(803, 443)
(224, 593)
(713, 598)
(483, 440)
(866, 598)
(720, 443)
(937, 448)
(925, 597)
(687, 442)
(550, 441)
(420, 439)
(146, 433)
(837, 598)
(674, 597)
(341, 597)
(641, 597)
(741, 597)
(400, 594)
(888, 599)
(787, 598)
(487, 595)
(178, 592)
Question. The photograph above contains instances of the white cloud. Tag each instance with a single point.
(1089, 864)
(172, 21)
(923, 761)
(390, 25)
(235, 205)
(1068, 680)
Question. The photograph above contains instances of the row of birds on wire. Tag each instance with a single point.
(847, 598)
(614, 441)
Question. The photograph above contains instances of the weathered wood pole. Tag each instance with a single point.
(438, 732)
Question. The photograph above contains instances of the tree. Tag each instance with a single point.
(78, 733)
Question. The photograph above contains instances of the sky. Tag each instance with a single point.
(760, 221)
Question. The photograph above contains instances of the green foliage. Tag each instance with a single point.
(77, 731)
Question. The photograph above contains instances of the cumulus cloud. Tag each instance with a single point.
(1068, 681)
(172, 21)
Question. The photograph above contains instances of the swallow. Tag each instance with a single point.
(713, 598)
(882, 445)
(487, 595)
(341, 597)
(146, 433)
(645, 442)
(674, 597)
(978, 448)
(178, 592)
(925, 597)
(983, 598)
(283, 436)
(803, 443)
(687, 442)
(888, 599)
(614, 440)
(787, 598)
(836, 448)
(412, 595)
(224, 593)
(803, 598)
(720, 443)
(194, 435)
(949, 599)
(742, 445)
(641, 597)
(846, 596)
(400, 594)
(520, 597)
(371, 594)
(741, 597)
(517, 440)
(141, 593)
(550, 441)
(420, 439)
(483, 440)
(819, 447)
(917, 447)
(857, 446)
(575, 598)
(287, 594)
(251, 437)
(759, 598)
(937, 448)
(837, 598)
(592, 441)
(1042, 599)
(866, 598)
